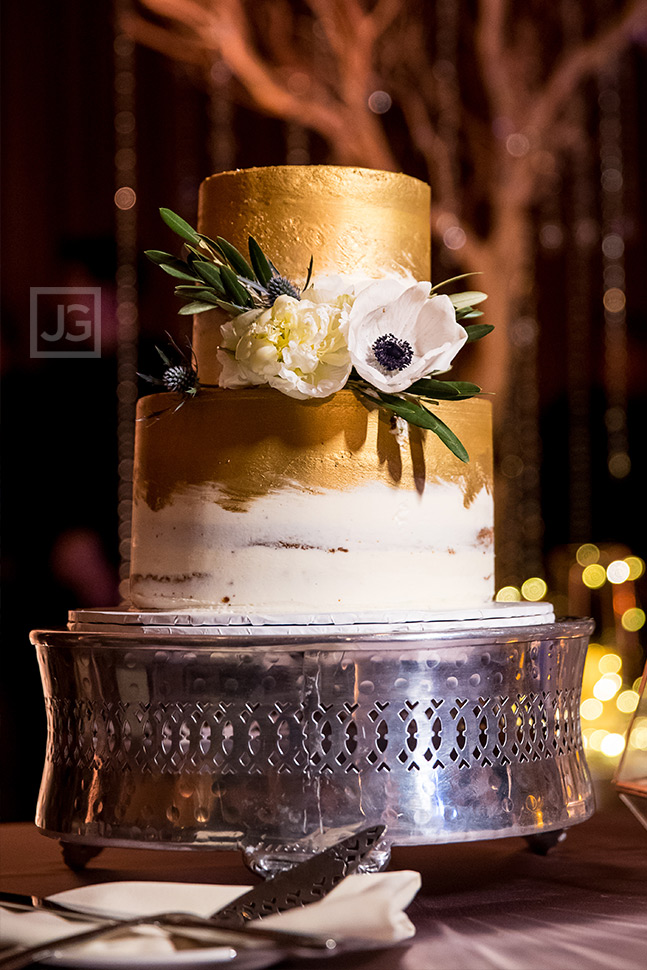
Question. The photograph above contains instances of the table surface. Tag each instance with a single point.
(483, 905)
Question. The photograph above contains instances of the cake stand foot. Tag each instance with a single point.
(542, 843)
(76, 856)
(267, 859)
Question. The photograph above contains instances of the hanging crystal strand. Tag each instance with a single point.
(445, 74)
(524, 395)
(297, 144)
(584, 233)
(187, 170)
(221, 144)
(126, 240)
(297, 139)
(613, 247)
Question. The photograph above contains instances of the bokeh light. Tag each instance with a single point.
(639, 734)
(607, 687)
(594, 576)
(614, 300)
(618, 571)
(379, 102)
(613, 246)
(454, 237)
(627, 701)
(612, 745)
(619, 464)
(591, 708)
(609, 663)
(125, 197)
(633, 619)
(517, 145)
(587, 554)
(596, 738)
(534, 589)
(636, 567)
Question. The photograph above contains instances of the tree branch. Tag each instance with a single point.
(471, 254)
(585, 59)
(493, 56)
(170, 43)
(440, 164)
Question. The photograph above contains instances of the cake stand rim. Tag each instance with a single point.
(568, 627)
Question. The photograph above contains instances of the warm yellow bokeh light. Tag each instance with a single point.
(596, 738)
(607, 687)
(636, 567)
(627, 702)
(591, 708)
(633, 619)
(612, 745)
(614, 300)
(636, 684)
(534, 589)
(638, 737)
(508, 594)
(618, 571)
(610, 663)
(587, 554)
(594, 576)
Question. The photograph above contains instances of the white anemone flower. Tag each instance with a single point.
(398, 334)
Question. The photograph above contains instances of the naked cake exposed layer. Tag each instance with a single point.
(250, 501)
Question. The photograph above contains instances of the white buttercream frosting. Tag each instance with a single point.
(400, 548)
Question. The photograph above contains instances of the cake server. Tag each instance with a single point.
(288, 938)
(305, 883)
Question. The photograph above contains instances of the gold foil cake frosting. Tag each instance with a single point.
(353, 221)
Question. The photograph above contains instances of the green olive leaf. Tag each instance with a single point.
(180, 226)
(260, 262)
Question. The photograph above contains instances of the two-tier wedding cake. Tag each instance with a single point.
(283, 483)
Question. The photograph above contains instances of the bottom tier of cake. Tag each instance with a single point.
(272, 743)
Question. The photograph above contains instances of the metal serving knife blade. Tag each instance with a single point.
(305, 883)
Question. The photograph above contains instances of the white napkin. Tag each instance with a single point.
(369, 907)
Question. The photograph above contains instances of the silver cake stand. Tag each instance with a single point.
(193, 731)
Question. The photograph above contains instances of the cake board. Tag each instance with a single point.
(194, 729)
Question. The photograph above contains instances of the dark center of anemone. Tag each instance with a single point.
(392, 352)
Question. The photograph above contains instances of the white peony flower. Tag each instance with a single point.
(398, 334)
(296, 346)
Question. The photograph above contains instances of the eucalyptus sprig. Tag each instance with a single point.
(408, 405)
(216, 274)
(464, 304)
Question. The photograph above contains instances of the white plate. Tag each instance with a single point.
(185, 959)
(130, 898)
(363, 912)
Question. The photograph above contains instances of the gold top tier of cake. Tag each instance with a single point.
(353, 221)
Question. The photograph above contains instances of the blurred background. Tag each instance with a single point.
(527, 120)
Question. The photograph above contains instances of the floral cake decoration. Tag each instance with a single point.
(385, 339)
